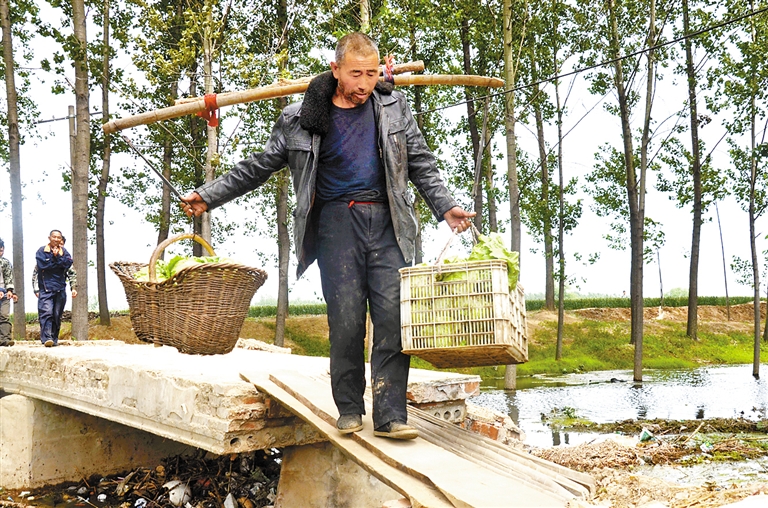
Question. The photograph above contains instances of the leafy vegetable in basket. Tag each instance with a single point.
(167, 269)
(488, 247)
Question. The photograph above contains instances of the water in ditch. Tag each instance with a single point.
(612, 396)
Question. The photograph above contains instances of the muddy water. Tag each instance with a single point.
(611, 396)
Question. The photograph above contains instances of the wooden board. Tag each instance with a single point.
(420, 494)
(465, 483)
(504, 459)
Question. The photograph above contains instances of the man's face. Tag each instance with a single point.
(357, 75)
(2, 251)
(55, 239)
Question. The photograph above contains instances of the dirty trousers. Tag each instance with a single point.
(359, 260)
(50, 307)
(5, 321)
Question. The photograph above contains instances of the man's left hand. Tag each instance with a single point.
(458, 219)
(74, 293)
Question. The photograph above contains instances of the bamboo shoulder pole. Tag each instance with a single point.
(221, 98)
(448, 79)
(281, 90)
(192, 105)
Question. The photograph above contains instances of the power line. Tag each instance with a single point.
(65, 118)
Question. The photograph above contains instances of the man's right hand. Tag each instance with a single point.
(193, 204)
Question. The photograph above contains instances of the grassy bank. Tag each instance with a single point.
(589, 344)
(531, 304)
(592, 344)
(310, 309)
(594, 339)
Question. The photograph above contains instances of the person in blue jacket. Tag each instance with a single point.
(53, 262)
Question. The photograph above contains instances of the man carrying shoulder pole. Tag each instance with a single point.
(352, 145)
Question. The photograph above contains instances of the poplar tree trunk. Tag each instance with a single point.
(101, 264)
(283, 237)
(561, 226)
(753, 248)
(693, 277)
(196, 138)
(493, 221)
(634, 196)
(549, 258)
(164, 229)
(19, 314)
(365, 17)
(471, 117)
(752, 218)
(510, 78)
(80, 171)
(211, 132)
(417, 106)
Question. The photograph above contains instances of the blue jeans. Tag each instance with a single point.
(50, 307)
(359, 258)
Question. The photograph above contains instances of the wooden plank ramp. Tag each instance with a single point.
(420, 494)
(501, 458)
(442, 469)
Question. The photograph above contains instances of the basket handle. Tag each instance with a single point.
(475, 239)
(165, 243)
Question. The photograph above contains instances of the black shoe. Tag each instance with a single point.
(7, 344)
(346, 424)
(396, 430)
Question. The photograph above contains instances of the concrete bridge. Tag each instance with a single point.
(106, 407)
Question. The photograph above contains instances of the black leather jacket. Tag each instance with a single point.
(295, 142)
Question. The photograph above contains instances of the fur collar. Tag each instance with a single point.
(316, 109)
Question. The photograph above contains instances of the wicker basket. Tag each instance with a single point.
(200, 310)
(471, 321)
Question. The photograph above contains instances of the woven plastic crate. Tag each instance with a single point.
(469, 320)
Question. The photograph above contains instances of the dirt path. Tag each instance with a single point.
(739, 313)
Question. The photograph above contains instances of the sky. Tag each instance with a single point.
(129, 238)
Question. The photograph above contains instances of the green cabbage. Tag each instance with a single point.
(487, 247)
(492, 247)
(167, 269)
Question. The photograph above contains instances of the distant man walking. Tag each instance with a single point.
(53, 262)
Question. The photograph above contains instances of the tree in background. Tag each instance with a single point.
(568, 212)
(617, 28)
(101, 143)
(412, 30)
(80, 169)
(538, 208)
(739, 92)
(477, 44)
(17, 102)
(742, 268)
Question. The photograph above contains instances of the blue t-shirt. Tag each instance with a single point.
(349, 164)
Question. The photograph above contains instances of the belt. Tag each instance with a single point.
(353, 203)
